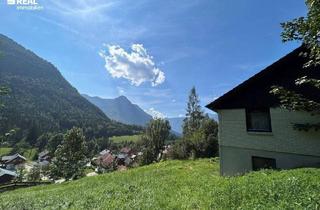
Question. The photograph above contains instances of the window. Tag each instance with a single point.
(263, 163)
(258, 120)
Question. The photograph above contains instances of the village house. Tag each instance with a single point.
(255, 133)
(7, 176)
(106, 161)
(12, 161)
(105, 151)
(44, 156)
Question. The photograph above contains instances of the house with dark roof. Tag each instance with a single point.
(6, 175)
(44, 157)
(256, 133)
(11, 161)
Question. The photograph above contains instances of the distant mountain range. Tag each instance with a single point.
(122, 110)
(177, 122)
(41, 100)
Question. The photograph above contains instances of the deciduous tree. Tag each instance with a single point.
(70, 156)
(157, 132)
(305, 30)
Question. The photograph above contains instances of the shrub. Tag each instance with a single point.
(196, 145)
(34, 174)
(180, 150)
(153, 143)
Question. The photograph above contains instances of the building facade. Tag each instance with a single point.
(281, 147)
(255, 133)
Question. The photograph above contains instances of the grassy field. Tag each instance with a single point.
(175, 185)
(5, 150)
(119, 139)
(30, 153)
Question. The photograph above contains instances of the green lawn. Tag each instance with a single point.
(119, 139)
(175, 185)
(28, 153)
(5, 150)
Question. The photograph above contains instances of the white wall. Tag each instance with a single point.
(283, 138)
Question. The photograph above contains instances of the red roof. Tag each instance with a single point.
(125, 150)
(106, 160)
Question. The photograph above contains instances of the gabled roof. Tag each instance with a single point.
(12, 157)
(125, 150)
(106, 159)
(43, 153)
(122, 156)
(255, 92)
(105, 151)
(7, 172)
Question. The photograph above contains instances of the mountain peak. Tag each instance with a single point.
(121, 109)
(123, 99)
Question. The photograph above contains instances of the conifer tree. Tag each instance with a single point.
(194, 114)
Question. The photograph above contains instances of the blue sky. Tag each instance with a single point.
(154, 51)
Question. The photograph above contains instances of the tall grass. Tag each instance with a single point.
(175, 185)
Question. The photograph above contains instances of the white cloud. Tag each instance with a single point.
(136, 66)
(121, 91)
(155, 114)
(86, 10)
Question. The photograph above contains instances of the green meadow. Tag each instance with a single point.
(5, 150)
(120, 139)
(175, 185)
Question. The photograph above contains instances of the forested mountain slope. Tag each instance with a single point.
(42, 100)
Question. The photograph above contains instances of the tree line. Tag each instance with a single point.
(72, 151)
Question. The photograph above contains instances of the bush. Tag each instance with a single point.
(196, 145)
(203, 146)
(200, 143)
(34, 174)
(180, 150)
(157, 132)
(147, 157)
(21, 174)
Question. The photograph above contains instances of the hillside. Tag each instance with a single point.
(42, 100)
(121, 109)
(175, 185)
